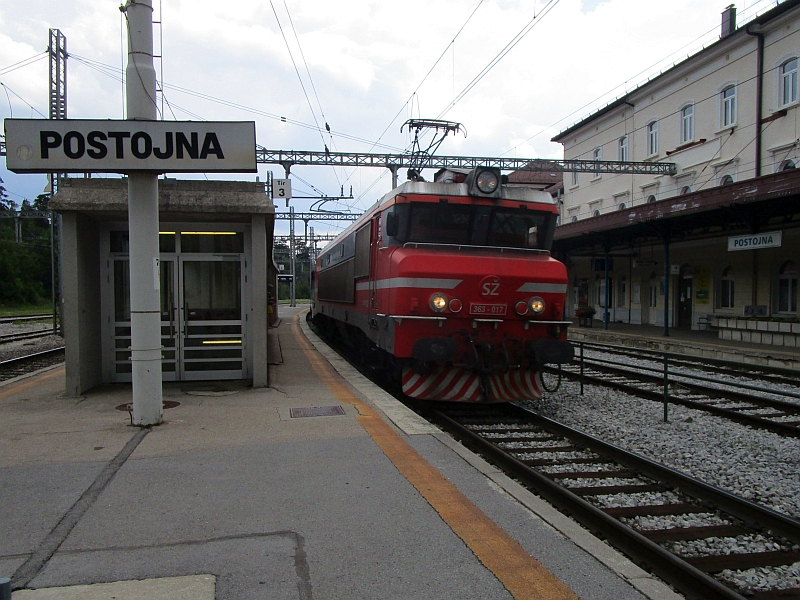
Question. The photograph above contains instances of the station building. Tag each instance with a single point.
(214, 276)
(716, 244)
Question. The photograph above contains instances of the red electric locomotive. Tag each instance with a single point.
(449, 286)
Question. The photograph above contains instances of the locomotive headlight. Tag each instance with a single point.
(487, 181)
(438, 302)
(536, 305)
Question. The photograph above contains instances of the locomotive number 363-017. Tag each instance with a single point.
(487, 309)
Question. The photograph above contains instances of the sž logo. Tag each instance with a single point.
(490, 286)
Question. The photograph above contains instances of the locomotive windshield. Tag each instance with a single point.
(475, 225)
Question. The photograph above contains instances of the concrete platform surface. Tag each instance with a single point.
(192, 587)
(246, 486)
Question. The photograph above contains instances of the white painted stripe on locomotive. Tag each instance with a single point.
(543, 288)
(410, 282)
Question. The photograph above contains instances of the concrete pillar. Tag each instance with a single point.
(81, 310)
(140, 79)
(258, 317)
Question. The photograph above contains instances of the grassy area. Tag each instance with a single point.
(25, 309)
(298, 301)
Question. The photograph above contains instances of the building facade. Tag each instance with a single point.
(727, 118)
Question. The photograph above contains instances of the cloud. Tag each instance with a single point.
(366, 57)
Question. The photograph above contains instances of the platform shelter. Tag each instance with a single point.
(214, 272)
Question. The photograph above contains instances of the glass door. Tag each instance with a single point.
(169, 322)
(122, 320)
(211, 342)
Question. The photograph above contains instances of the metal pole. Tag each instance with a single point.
(5, 588)
(53, 272)
(667, 269)
(581, 368)
(292, 252)
(666, 389)
(143, 225)
(607, 294)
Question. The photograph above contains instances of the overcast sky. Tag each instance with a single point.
(369, 64)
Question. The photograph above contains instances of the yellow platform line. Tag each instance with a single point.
(521, 574)
(21, 386)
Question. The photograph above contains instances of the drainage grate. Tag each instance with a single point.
(316, 411)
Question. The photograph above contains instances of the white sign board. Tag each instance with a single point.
(755, 241)
(97, 146)
(281, 188)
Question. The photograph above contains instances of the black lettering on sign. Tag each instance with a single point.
(80, 144)
(98, 150)
(119, 136)
(182, 144)
(48, 140)
(167, 152)
(211, 146)
(138, 152)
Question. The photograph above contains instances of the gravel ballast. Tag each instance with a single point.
(758, 465)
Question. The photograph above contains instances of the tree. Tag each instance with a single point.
(25, 266)
(5, 203)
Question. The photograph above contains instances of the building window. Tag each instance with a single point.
(726, 180)
(621, 206)
(687, 124)
(726, 288)
(787, 288)
(788, 165)
(651, 198)
(596, 213)
(574, 176)
(687, 189)
(623, 148)
(652, 138)
(573, 220)
(622, 292)
(789, 82)
(729, 106)
(597, 156)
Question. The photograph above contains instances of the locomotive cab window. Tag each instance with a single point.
(477, 225)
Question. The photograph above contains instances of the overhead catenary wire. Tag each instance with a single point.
(500, 55)
(650, 68)
(113, 72)
(33, 108)
(23, 63)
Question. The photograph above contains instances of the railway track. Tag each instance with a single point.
(760, 373)
(21, 318)
(25, 335)
(723, 397)
(22, 365)
(685, 531)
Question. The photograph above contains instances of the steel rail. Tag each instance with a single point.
(790, 374)
(635, 369)
(15, 318)
(27, 357)
(663, 563)
(25, 335)
(658, 396)
(687, 578)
